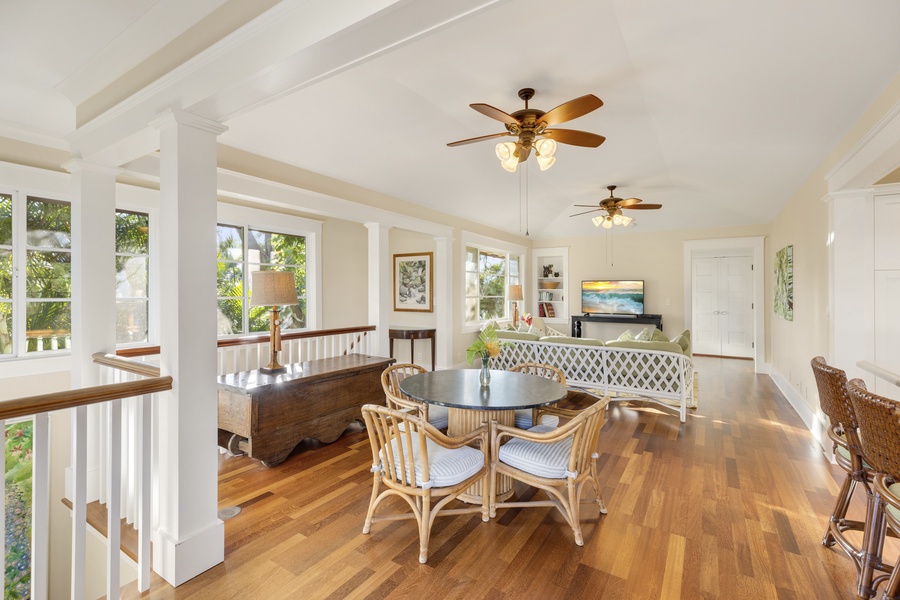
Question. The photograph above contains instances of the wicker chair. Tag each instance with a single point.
(832, 385)
(878, 419)
(558, 461)
(526, 417)
(415, 461)
(390, 382)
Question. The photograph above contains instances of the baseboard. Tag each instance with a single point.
(809, 418)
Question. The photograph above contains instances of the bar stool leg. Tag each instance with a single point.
(841, 506)
(873, 541)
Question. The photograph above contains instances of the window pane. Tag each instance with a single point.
(5, 328)
(5, 219)
(48, 325)
(231, 242)
(230, 316)
(132, 274)
(259, 318)
(294, 317)
(471, 258)
(492, 285)
(131, 321)
(229, 279)
(513, 267)
(276, 248)
(491, 308)
(132, 232)
(471, 284)
(471, 309)
(6, 274)
(48, 223)
(48, 274)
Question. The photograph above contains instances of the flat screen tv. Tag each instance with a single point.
(612, 297)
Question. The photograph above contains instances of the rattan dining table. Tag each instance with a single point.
(470, 404)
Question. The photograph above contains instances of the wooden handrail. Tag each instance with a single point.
(126, 364)
(250, 339)
(31, 405)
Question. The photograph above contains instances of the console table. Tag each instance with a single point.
(647, 319)
(412, 334)
(267, 415)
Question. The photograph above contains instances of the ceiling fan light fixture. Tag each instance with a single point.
(545, 147)
(506, 152)
(617, 219)
(598, 221)
(607, 223)
(626, 221)
(545, 162)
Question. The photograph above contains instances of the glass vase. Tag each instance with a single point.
(485, 375)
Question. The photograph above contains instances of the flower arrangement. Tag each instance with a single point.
(486, 346)
(527, 319)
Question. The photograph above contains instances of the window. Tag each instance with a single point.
(242, 250)
(488, 276)
(132, 277)
(35, 241)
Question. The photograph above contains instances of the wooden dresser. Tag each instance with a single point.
(266, 416)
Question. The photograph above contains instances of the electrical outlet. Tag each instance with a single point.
(419, 355)
(668, 302)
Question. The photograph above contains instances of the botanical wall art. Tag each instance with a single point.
(412, 282)
(784, 283)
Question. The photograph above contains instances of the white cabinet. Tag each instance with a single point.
(552, 285)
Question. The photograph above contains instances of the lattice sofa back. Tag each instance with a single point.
(662, 377)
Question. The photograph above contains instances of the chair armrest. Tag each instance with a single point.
(442, 439)
(882, 482)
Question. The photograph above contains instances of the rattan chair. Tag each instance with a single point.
(390, 382)
(558, 461)
(835, 402)
(421, 465)
(878, 419)
(526, 417)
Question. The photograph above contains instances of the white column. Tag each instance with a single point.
(852, 285)
(190, 538)
(443, 300)
(380, 286)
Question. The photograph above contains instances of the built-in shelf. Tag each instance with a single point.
(551, 274)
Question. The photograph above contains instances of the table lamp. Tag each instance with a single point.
(515, 295)
(275, 289)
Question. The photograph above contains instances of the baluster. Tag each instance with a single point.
(114, 501)
(79, 501)
(143, 440)
(40, 506)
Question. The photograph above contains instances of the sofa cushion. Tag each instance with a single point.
(659, 336)
(517, 335)
(646, 335)
(627, 336)
(564, 339)
(660, 346)
(684, 340)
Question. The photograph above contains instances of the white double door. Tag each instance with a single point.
(722, 311)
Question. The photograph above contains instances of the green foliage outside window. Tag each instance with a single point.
(132, 277)
(19, 445)
(48, 309)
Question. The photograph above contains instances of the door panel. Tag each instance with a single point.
(722, 311)
(706, 336)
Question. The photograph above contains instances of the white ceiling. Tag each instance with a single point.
(719, 111)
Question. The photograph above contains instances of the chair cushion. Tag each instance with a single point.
(523, 419)
(895, 490)
(564, 339)
(439, 416)
(544, 460)
(448, 466)
(845, 452)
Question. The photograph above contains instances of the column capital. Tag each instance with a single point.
(176, 116)
(78, 165)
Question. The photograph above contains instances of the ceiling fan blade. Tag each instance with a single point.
(571, 110)
(495, 113)
(597, 206)
(574, 137)
(643, 207)
(585, 212)
(628, 202)
(479, 139)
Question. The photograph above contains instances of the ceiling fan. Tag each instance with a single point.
(532, 127)
(613, 207)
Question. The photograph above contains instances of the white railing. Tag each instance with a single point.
(39, 409)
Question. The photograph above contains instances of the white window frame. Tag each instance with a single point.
(252, 218)
(493, 245)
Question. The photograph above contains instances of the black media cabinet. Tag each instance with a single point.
(624, 319)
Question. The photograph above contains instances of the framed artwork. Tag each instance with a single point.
(784, 283)
(413, 282)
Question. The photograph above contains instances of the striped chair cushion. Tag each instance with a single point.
(895, 490)
(448, 466)
(523, 419)
(543, 460)
(437, 416)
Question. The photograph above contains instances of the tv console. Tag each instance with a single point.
(643, 319)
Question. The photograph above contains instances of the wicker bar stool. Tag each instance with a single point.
(878, 419)
(832, 385)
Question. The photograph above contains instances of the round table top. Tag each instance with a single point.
(460, 388)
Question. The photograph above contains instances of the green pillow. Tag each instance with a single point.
(684, 340)
(658, 336)
(626, 337)
(563, 339)
(646, 335)
(517, 335)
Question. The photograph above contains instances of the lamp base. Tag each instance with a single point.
(270, 369)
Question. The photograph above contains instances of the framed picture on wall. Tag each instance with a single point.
(413, 282)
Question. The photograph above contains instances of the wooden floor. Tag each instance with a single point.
(732, 504)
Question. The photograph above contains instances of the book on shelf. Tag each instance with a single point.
(545, 309)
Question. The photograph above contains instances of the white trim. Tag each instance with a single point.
(814, 424)
(490, 244)
(757, 245)
(875, 155)
(865, 140)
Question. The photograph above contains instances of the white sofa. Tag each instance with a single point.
(660, 376)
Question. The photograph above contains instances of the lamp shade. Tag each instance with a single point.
(273, 288)
(515, 293)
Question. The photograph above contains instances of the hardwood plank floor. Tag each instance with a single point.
(731, 504)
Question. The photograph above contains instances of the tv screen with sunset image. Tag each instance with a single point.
(612, 297)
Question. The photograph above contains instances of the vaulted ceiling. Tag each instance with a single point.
(719, 111)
